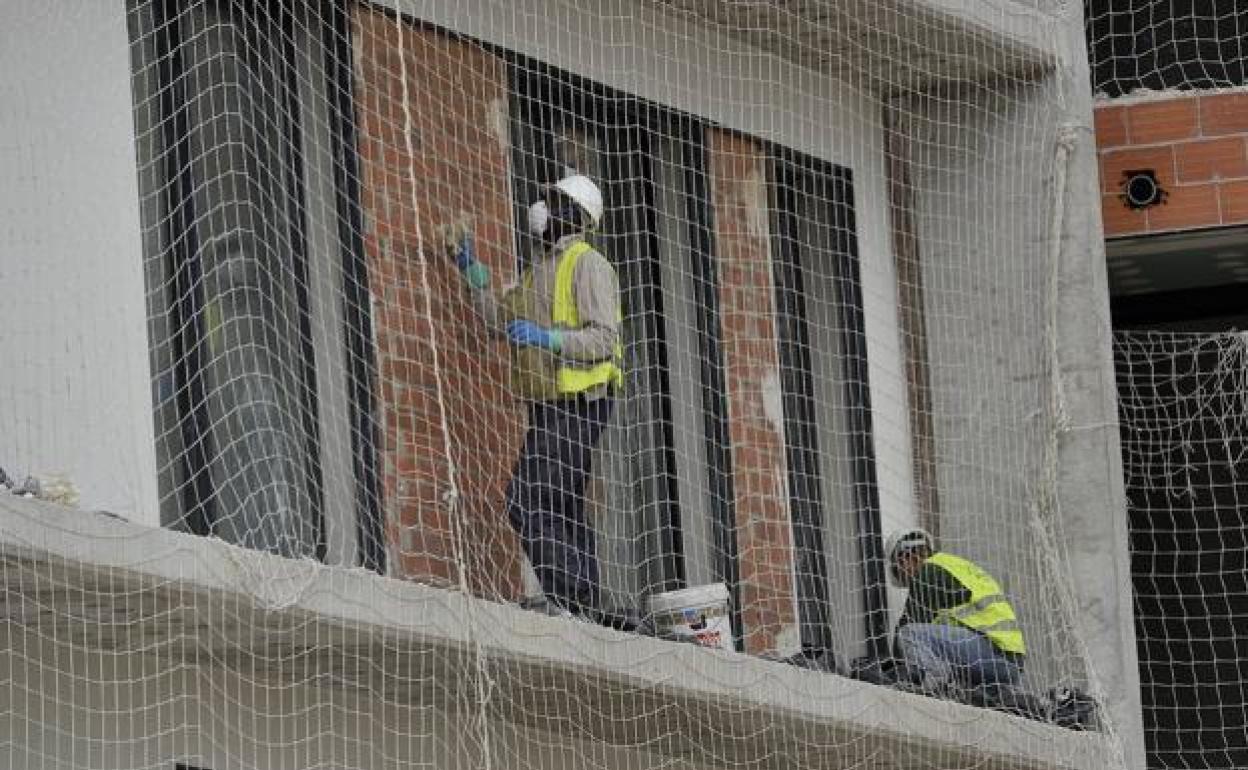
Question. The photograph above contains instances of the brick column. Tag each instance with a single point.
(752, 367)
(1198, 146)
(457, 99)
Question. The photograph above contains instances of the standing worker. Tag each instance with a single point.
(562, 321)
(958, 629)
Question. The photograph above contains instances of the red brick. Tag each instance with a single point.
(1111, 127)
(457, 164)
(1115, 162)
(766, 561)
(1162, 121)
(1233, 197)
(1185, 208)
(1211, 159)
(1222, 114)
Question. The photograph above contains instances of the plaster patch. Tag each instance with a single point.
(754, 197)
(497, 119)
(773, 401)
(789, 639)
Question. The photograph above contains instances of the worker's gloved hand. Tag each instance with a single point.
(465, 254)
(526, 334)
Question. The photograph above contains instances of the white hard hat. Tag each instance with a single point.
(581, 189)
(902, 540)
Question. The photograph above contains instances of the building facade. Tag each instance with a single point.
(1171, 123)
(842, 236)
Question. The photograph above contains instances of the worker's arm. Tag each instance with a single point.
(597, 294)
(485, 300)
(933, 589)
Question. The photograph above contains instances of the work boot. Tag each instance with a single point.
(1073, 709)
(1015, 700)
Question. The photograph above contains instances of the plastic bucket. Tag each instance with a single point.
(698, 615)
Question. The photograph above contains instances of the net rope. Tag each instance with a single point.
(387, 477)
(1180, 383)
(451, 497)
(1162, 45)
(1184, 432)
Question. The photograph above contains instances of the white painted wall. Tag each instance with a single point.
(74, 384)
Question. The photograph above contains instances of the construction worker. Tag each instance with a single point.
(958, 629)
(562, 321)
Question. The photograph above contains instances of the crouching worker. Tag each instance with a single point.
(958, 631)
(562, 322)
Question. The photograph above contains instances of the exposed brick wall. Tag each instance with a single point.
(1197, 144)
(457, 97)
(764, 534)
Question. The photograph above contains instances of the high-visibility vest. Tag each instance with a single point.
(573, 376)
(988, 611)
(538, 374)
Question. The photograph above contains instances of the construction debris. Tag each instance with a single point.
(52, 489)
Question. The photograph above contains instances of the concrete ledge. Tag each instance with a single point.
(106, 584)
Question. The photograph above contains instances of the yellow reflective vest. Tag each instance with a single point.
(572, 376)
(988, 611)
(542, 376)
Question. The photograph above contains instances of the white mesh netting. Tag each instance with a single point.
(1159, 45)
(835, 233)
(1184, 442)
(1181, 393)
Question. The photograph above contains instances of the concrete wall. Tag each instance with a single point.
(1091, 499)
(129, 646)
(1022, 376)
(121, 711)
(984, 279)
(75, 394)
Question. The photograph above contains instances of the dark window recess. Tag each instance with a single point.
(1166, 44)
(568, 124)
(358, 324)
(815, 238)
(227, 260)
(801, 432)
(562, 123)
(713, 379)
(1205, 308)
(1180, 399)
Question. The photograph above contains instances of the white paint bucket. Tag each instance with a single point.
(698, 614)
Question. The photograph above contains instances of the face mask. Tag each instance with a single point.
(539, 218)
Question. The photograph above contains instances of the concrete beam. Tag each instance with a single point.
(100, 582)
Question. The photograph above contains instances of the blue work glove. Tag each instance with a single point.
(526, 334)
(465, 254)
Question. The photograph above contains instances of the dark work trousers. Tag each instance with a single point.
(546, 498)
